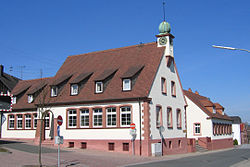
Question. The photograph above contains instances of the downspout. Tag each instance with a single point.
(140, 124)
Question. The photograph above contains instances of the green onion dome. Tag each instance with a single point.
(164, 28)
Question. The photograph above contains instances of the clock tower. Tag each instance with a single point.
(165, 39)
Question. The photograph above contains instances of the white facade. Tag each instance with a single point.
(236, 132)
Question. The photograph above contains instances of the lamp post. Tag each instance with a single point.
(230, 48)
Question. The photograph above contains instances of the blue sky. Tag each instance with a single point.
(41, 34)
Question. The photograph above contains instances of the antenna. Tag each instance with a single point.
(163, 5)
(22, 67)
(41, 73)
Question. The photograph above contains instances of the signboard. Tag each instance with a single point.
(59, 120)
(5, 102)
(132, 125)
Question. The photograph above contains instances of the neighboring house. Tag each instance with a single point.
(7, 83)
(248, 133)
(207, 122)
(100, 94)
(236, 128)
(243, 132)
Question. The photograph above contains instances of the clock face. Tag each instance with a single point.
(163, 40)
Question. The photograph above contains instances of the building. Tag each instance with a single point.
(100, 94)
(207, 122)
(236, 128)
(243, 133)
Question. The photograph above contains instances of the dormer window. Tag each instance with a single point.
(214, 110)
(30, 98)
(14, 100)
(74, 89)
(54, 91)
(98, 87)
(126, 84)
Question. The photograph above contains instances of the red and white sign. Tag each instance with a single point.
(59, 120)
(132, 125)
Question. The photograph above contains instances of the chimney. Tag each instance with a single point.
(196, 92)
(190, 90)
(1, 70)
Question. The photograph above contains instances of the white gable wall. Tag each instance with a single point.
(166, 101)
(236, 132)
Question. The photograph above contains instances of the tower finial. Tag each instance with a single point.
(163, 5)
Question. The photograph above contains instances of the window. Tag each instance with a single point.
(35, 120)
(197, 128)
(214, 110)
(158, 116)
(98, 87)
(163, 86)
(30, 98)
(173, 88)
(111, 116)
(169, 117)
(72, 118)
(83, 145)
(19, 121)
(178, 118)
(125, 116)
(46, 120)
(54, 91)
(74, 89)
(97, 115)
(84, 117)
(126, 84)
(125, 146)
(14, 100)
(11, 121)
(111, 146)
(28, 121)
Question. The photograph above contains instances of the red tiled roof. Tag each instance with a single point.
(120, 60)
(202, 102)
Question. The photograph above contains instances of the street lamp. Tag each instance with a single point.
(230, 48)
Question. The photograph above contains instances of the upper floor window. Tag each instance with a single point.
(126, 84)
(111, 116)
(178, 118)
(28, 121)
(163, 86)
(99, 87)
(125, 115)
(97, 116)
(19, 121)
(54, 91)
(30, 98)
(11, 121)
(84, 117)
(74, 89)
(34, 120)
(197, 128)
(158, 116)
(72, 118)
(14, 100)
(169, 118)
(173, 88)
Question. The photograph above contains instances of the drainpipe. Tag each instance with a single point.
(140, 124)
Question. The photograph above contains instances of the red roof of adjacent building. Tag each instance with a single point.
(203, 102)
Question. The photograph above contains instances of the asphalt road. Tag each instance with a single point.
(25, 147)
(218, 159)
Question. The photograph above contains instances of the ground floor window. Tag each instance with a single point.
(34, 120)
(111, 146)
(46, 121)
(11, 122)
(28, 121)
(111, 116)
(19, 121)
(125, 116)
(97, 115)
(84, 117)
(125, 146)
(72, 118)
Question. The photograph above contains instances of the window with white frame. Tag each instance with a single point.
(84, 117)
(111, 116)
(169, 117)
(99, 87)
(125, 114)
(126, 84)
(54, 91)
(19, 121)
(28, 121)
(14, 100)
(34, 120)
(72, 118)
(30, 98)
(97, 116)
(158, 116)
(178, 118)
(11, 121)
(74, 89)
(46, 120)
(197, 128)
